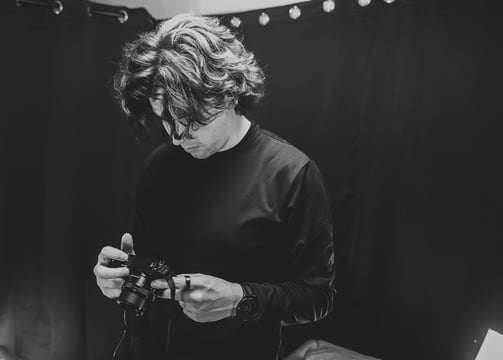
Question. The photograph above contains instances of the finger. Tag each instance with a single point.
(104, 272)
(111, 293)
(189, 314)
(185, 298)
(127, 243)
(180, 281)
(180, 285)
(195, 316)
(162, 284)
(110, 283)
(108, 253)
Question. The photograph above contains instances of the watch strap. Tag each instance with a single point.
(247, 307)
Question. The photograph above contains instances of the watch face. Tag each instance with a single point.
(246, 307)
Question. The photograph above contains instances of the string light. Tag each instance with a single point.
(294, 12)
(263, 19)
(235, 22)
(328, 6)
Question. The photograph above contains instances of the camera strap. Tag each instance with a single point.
(172, 288)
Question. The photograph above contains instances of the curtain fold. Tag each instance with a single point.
(64, 150)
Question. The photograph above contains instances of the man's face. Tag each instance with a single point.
(201, 142)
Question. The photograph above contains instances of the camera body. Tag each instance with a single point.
(137, 293)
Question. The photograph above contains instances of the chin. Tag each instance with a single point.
(201, 153)
(197, 156)
(201, 156)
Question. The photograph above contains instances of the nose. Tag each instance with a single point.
(176, 141)
(177, 137)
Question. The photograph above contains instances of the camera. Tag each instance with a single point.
(136, 293)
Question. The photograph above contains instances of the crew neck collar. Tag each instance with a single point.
(242, 145)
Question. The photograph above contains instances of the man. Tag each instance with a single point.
(238, 212)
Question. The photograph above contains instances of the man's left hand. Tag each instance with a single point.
(208, 299)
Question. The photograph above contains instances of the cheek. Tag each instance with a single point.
(166, 127)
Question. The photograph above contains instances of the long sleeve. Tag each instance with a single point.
(308, 294)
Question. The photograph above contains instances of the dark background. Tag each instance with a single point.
(399, 104)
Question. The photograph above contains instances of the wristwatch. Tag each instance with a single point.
(248, 305)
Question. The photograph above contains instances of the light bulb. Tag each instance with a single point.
(328, 6)
(263, 19)
(294, 12)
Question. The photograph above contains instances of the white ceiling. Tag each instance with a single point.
(162, 9)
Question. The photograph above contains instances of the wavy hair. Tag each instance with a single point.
(196, 65)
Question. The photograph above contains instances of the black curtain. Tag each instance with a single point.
(399, 104)
(68, 173)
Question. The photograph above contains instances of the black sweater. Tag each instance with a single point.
(257, 214)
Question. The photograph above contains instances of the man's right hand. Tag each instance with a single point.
(109, 279)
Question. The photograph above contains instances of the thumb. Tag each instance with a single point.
(127, 243)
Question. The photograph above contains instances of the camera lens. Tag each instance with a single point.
(135, 297)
